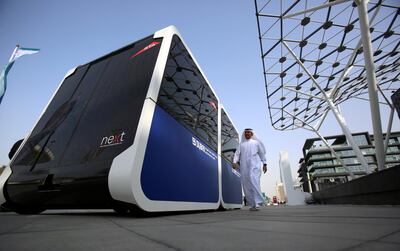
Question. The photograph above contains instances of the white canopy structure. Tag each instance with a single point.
(318, 54)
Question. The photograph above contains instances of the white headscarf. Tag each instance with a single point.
(254, 137)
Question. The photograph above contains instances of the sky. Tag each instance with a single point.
(222, 36)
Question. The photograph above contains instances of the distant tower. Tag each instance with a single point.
(280, 192)
(293, 197)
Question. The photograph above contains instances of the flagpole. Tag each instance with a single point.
(13, 54)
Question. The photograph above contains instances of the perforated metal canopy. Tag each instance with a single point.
(300, 49)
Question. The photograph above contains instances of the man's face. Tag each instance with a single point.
(248, 134)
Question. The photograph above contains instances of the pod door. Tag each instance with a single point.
(231, 183)
(181, 161)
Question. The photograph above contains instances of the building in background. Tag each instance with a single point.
(280, 192)
(396, 101)
(319, 170)
(266, 198)
(297, 184)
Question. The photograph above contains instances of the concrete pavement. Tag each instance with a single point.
(314, 227)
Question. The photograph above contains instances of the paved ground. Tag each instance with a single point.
(272, 228)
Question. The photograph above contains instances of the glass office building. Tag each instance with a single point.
(319, 169)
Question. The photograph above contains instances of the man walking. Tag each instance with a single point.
(248, 158)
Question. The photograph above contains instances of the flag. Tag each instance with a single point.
(3, 79)
(18, 52)
(24, 51)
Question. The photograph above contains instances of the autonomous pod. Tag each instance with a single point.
(138, 128)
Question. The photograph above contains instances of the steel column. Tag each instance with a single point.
(327, 145)
(371, 79)
(389, 130)
(336, 112)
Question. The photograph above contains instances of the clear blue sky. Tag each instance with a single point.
(222, 35)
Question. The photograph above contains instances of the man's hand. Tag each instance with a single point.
(265, 168)
(235, 165)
